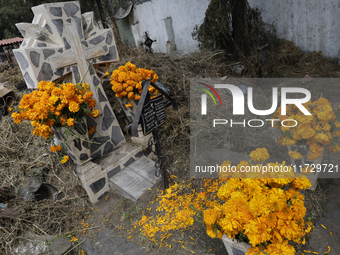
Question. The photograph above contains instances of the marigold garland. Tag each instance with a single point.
(127, 80)
(55, 105)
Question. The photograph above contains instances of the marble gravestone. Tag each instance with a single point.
(63, 45)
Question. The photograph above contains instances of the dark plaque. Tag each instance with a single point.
(153, 115)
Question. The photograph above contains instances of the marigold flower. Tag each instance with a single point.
(131, 95)
(128, 105)
(73, 107)
(70, 122)
(91, 130)
(295, 155)
(64, 159)
(55, 148)
(259, 155)
(17, 117)
(91, 103)
(94, 113)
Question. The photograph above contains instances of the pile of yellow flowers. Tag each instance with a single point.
(127, 80)
(316, 130)
(268, 213)
(55, 105)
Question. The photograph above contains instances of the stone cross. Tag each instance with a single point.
(63, 45)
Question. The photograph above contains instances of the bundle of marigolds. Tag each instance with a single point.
(316, 130)
(55, 105)
(127, 80)
(268, 213)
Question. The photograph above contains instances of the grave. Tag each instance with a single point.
(63, 45)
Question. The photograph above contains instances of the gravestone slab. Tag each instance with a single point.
(135, 179)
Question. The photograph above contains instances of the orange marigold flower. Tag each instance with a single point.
(128, 105)
(94, 113)
(91, 130)
(91, 103)
(55, 148)
(70, 122)
(131, 95)
(137, 97)
(129, 89)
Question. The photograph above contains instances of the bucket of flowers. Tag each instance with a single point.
(307, 138)
(127, 81)
(259, 215)
(61, 110)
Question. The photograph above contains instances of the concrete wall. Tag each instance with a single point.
(151, 16)
(313, 25)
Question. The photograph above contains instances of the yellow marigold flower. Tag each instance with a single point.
(286, 141)
(210, 216)
(322, 138)
(70, 122)
(74, 239)
(55, 148)
(282, 248)
(53, 99)
(73, 106)
(107, 74)
(17, 117)
(128, 105)
(301, 183)
(91, 130)
(137, 97)
(295, 155)
(64, 159)
(325, 115)
(259, 155)
(334, 149)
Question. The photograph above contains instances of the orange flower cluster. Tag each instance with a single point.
(316, 130)
(127, 80)
(55, 105)
(266, 212)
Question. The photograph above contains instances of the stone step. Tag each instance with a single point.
(135, 179)
(115, 161)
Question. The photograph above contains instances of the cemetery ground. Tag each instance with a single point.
(24, 156)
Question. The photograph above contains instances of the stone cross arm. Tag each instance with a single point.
(57, 39)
